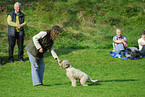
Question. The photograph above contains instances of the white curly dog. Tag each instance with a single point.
(74, 74)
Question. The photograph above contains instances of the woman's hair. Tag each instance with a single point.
(54, 31)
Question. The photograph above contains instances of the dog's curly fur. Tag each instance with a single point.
(74, 74)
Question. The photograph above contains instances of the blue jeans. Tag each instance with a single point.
(37, 69)
(119, 48)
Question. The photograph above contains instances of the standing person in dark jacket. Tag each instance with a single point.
(16, 22)
(40, 43)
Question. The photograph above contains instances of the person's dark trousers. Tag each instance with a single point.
(12, 41)
(143, 50)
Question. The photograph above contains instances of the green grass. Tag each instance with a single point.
(117, 77)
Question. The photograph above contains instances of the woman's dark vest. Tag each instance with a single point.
(11, 29)
(46, 44)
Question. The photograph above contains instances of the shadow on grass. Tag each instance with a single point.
(125, 80)
(93, 83)
(99, 82)
(5, 59)
(57, 84)
(47, 54)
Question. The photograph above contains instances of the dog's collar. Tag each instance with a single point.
(69, 66)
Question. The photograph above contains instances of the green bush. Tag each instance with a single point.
(86, 24)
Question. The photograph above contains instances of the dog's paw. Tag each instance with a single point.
(74, 85)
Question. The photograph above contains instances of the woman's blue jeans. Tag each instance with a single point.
(37, 69)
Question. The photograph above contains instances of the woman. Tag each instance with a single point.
(40, 43)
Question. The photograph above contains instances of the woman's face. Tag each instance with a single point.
(55, 34)
(55, 31)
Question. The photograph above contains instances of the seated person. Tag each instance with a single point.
(141, 52)
(119, 43)
(141, 43)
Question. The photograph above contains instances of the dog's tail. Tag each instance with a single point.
(92, 80)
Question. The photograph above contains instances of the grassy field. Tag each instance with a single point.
(117, 77)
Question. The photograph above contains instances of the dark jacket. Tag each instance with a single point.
(11, 29)
(46, 44)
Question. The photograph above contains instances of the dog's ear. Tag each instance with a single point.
(62, 65)
(67, 65)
